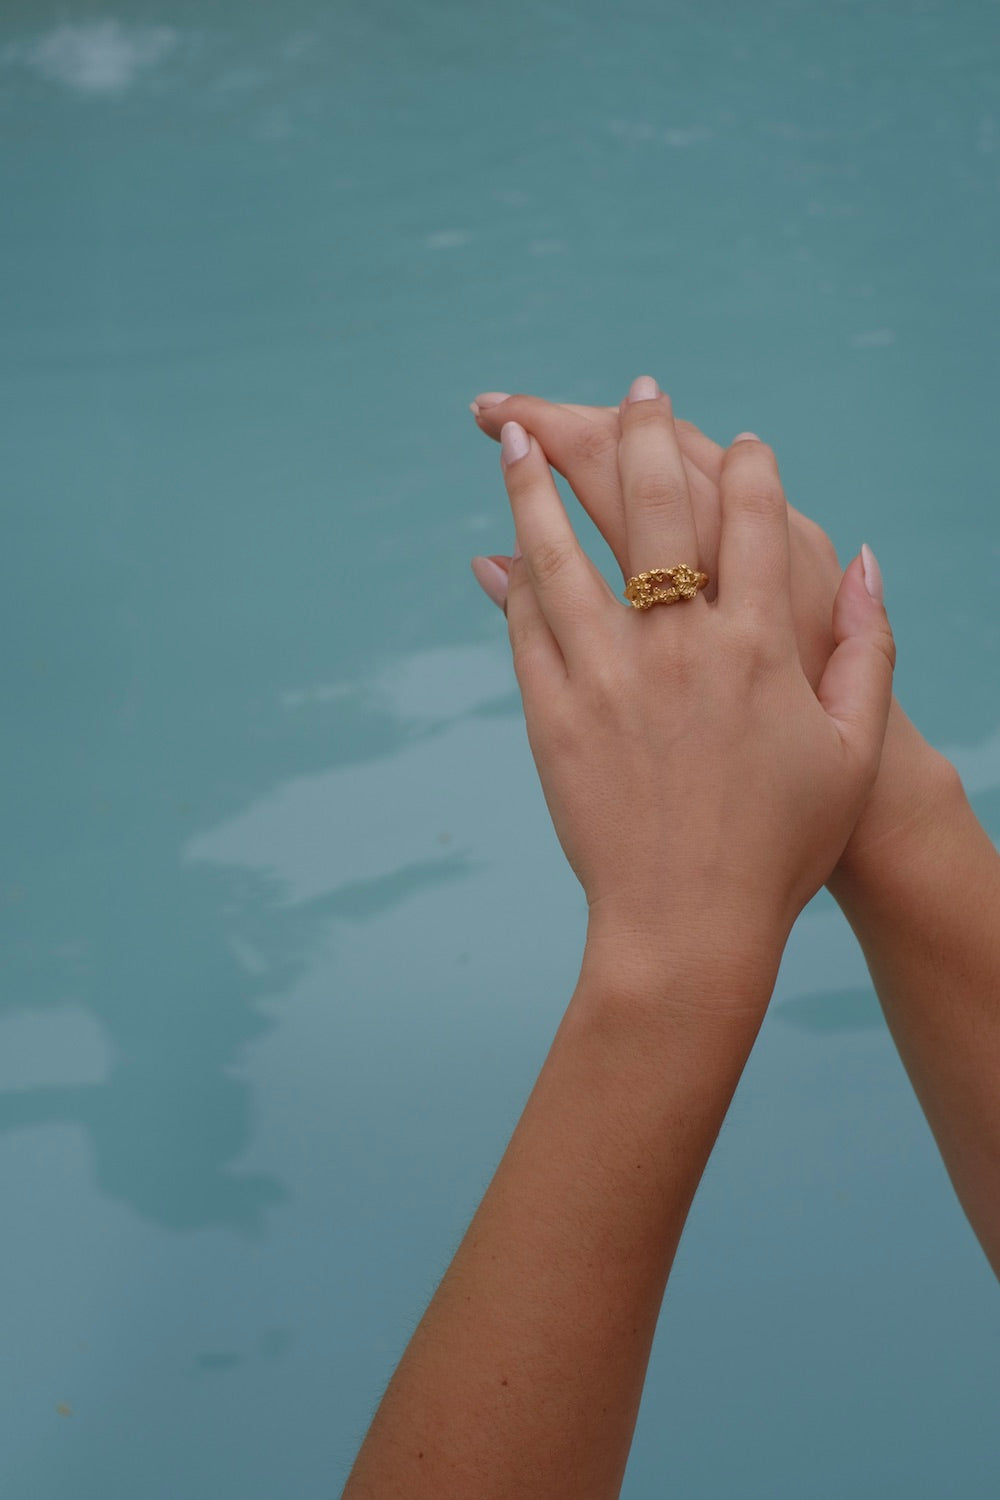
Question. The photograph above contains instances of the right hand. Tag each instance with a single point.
(581, 442)
(684, 754)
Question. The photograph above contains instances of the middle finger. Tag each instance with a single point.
(659, 522)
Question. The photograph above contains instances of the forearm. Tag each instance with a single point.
(925, 906)
(525, 1374)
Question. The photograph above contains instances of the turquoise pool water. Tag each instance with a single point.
(286, 931)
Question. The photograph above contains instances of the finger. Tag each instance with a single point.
(485, 404)
(491, 575)
(538, 662)
(581, 443)
(659, 522)
(561, 438)
(754, 571)
(571, 593)
(700, 451)
(856, 688)
(703, 487)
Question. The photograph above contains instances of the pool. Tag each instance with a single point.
(286, 928)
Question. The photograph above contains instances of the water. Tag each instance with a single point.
(286, 929)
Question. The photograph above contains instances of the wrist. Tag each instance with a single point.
(916, 799)
(713, 964)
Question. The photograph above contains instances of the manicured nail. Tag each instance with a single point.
(491, 579)
(486, 400)
(514, 443)
(644, 388)
(746, 437)
(873, 574)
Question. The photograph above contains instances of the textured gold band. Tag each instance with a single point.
(664, 586)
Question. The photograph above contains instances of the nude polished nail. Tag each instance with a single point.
(644, 388)
(514, 442)
(873, 574)
(491, 579)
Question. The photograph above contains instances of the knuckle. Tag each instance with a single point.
(606, 688)
(514, 408)
(744, 636)
(653, 491)
(595, 444)
(643, 413)
(550, 559)
(562, 730)
(683, 670)
(759, 497)
(754, 641)
(887, 645)
(524, 649)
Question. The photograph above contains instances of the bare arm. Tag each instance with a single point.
(523, 1380)
(920, 885)
(525, 1374)
(919, 880)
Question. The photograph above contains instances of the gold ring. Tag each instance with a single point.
(664, 586)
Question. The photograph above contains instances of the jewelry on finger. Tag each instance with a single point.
(664, 586)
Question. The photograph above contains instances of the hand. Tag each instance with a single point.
(765, 777)
(581, 443)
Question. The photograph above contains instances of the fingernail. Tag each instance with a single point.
(514, 443)
(644, 388)
(488, 399)
(746, 437)
(873, 574)
(517, 550)
(491, 579)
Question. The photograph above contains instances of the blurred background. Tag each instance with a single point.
(285, 928)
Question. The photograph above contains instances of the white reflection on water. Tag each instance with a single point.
(428, 800)
(95, 57)
(426, 688)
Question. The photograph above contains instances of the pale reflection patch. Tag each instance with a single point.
(95, 57)
(429, 801)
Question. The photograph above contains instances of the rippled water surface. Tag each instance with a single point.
(286, 931)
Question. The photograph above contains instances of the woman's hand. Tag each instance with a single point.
(702, 791)
(581, 443)
(688, 764)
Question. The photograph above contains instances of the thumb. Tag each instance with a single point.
(856, 687)
(491, 575)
